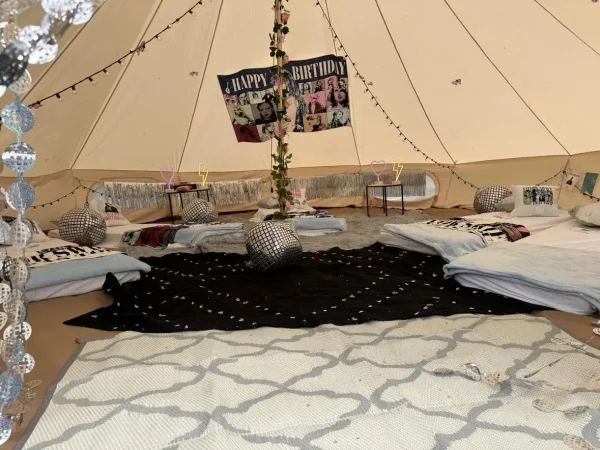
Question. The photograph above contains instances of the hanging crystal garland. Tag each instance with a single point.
(29, 45)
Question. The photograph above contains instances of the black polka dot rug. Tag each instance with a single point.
(340, 287)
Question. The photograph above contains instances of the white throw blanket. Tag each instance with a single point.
(369, 386)
(38, 258)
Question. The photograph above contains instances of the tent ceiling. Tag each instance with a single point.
(529, 71)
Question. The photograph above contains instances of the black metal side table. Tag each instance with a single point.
(180, 193)
(384, 187)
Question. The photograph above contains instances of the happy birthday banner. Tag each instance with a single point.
(318, 89)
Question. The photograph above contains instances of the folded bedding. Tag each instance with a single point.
(154, 235)
(65, 269)
(556, 268)
(333, 224)
(457, 237)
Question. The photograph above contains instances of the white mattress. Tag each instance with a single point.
(77, 287)
(71, 288)
(113, 235)
(567, 235)
(467, 242)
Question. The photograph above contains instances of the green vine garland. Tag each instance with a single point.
(281, 158)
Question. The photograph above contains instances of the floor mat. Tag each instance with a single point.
(218, 291)
(381, 385)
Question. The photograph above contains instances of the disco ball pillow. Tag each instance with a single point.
(273, 245)
(82, 226)
(488, 197)
(199, 211)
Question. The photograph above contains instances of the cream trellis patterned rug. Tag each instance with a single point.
(383, 385)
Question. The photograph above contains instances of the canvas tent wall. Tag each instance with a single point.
(526, 106)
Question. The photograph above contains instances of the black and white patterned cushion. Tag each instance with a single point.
(82, 226)
(199, 211)
(488, 197)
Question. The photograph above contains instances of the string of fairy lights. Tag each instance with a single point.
(367, 84)
(68, 194)
(59, 95)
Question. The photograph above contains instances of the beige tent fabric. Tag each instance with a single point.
(528, 96)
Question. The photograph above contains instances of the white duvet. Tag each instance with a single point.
(558, 268)
(452, 244)
(47, 290)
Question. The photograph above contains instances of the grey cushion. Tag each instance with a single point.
(588, 214)
(506, 204)
(269, 203)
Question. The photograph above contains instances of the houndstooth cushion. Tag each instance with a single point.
(487, 198)
(82, 226)
(199, 211)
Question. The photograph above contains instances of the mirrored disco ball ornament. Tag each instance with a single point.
(4, 293)
(16, 310)
(21, 331)
(43, 46)
(22, 85)
(14, 7)
(13, 62)
(11, 384)
(18, 118)
(83, 9)
(13, 351)
(20, 196)
(5, 429)
(199, 211)
(8, 32)
(26, 365)
(20, 234)
(17, 271)
(82, 226)
(4, 233)
(273, 245)
(19, 157)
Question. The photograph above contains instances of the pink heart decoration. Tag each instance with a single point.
(168, 180)
(375, 171)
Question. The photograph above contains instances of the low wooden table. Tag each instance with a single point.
(180, 193)
(384, 187)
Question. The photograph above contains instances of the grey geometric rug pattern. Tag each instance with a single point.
(369, 386)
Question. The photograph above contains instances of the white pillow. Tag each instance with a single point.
(588, 214)
(37, 235)
(111, 213)
(538, 201)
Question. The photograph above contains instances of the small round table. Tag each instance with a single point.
(197, 191)
(384, 187)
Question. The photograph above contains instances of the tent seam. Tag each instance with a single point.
(567, 28)
(352, 115)
(212, 42)
(116, 86)
(412, 84)
(505, 78)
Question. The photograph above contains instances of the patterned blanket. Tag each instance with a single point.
(491, 233)
(160, 236)
(53, 255)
